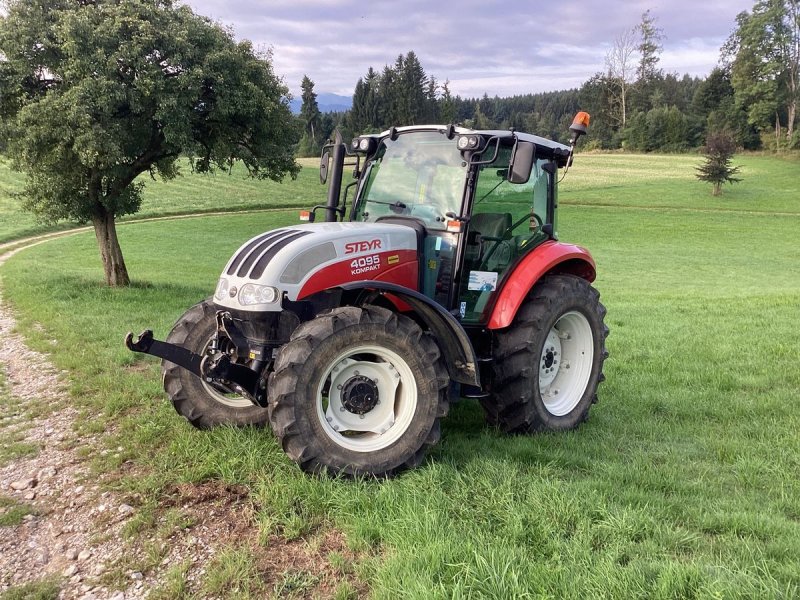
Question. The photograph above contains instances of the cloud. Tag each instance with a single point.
(482, 47)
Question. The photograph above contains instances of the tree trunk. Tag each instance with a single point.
(717, 189)
(624, 109)
(113, 264)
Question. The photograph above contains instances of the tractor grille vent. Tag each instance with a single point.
(255, 256)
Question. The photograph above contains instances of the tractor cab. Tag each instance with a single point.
(479, 201)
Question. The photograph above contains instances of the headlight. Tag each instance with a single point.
(469, 142)
(257, 294)
(363, 144)
(222, 289)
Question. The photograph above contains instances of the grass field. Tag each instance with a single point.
(683, 484)
(597, 179)
(188, 193)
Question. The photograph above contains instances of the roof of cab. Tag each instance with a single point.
(544, 147)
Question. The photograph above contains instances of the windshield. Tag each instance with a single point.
(420, 174)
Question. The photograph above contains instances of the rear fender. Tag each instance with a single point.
(457, 350)
(549, 257)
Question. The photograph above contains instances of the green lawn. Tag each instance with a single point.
(683, 484)
(768, 183)
(188, 193)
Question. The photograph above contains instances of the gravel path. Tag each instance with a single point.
(73, 534)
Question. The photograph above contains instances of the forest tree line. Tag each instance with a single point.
(752, 94)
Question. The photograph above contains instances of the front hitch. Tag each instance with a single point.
(211, 368)
(179, 355)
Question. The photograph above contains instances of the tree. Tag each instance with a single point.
(714, 103)
(595, 98)
(719, 149)
(363, 115)
(648, 75)
(621, 70)
(448, 108)
(764, 56)
(415, 84)
(310, 117)
(95, 93)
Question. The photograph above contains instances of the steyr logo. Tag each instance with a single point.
(362, 246)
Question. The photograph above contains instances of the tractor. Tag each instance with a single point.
(436, 275)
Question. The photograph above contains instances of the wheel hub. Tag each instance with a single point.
(549, 363)
(360, 395)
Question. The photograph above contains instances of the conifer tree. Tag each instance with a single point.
(310, 117)
(717, 169)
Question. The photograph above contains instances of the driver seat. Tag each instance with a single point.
(493, 229)
(492, 225)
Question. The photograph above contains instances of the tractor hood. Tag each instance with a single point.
(295, 262)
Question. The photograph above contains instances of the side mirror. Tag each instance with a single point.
(519, 171)
(323, 166)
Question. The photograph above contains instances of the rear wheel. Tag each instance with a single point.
(358, 391)
(204, 404)
(549, 362)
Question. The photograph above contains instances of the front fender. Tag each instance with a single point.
(549, 257)
(456, 347)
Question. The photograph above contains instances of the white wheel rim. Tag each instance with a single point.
(395, 406)
(565, 364)
(231, 398)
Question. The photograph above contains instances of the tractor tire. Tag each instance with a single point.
(549, 362)
(358, 391)
(202, 404)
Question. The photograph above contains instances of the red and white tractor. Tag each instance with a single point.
(441, 277)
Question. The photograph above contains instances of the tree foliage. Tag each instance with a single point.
(717, 169)
(93, 93)
(764, 58)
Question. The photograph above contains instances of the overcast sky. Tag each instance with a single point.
(503, 48)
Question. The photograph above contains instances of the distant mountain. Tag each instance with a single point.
(326, 102)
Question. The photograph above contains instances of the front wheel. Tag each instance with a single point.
(549, 362)
(358, 391)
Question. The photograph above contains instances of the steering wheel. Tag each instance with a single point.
(501, 243)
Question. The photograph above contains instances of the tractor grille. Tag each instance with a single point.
(260, 251)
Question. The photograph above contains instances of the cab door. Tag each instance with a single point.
(505, 224)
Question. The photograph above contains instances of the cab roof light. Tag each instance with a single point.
(363, 145)
(470, 142)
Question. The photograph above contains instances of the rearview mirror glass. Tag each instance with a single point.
(323, 167)
(519, 171)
